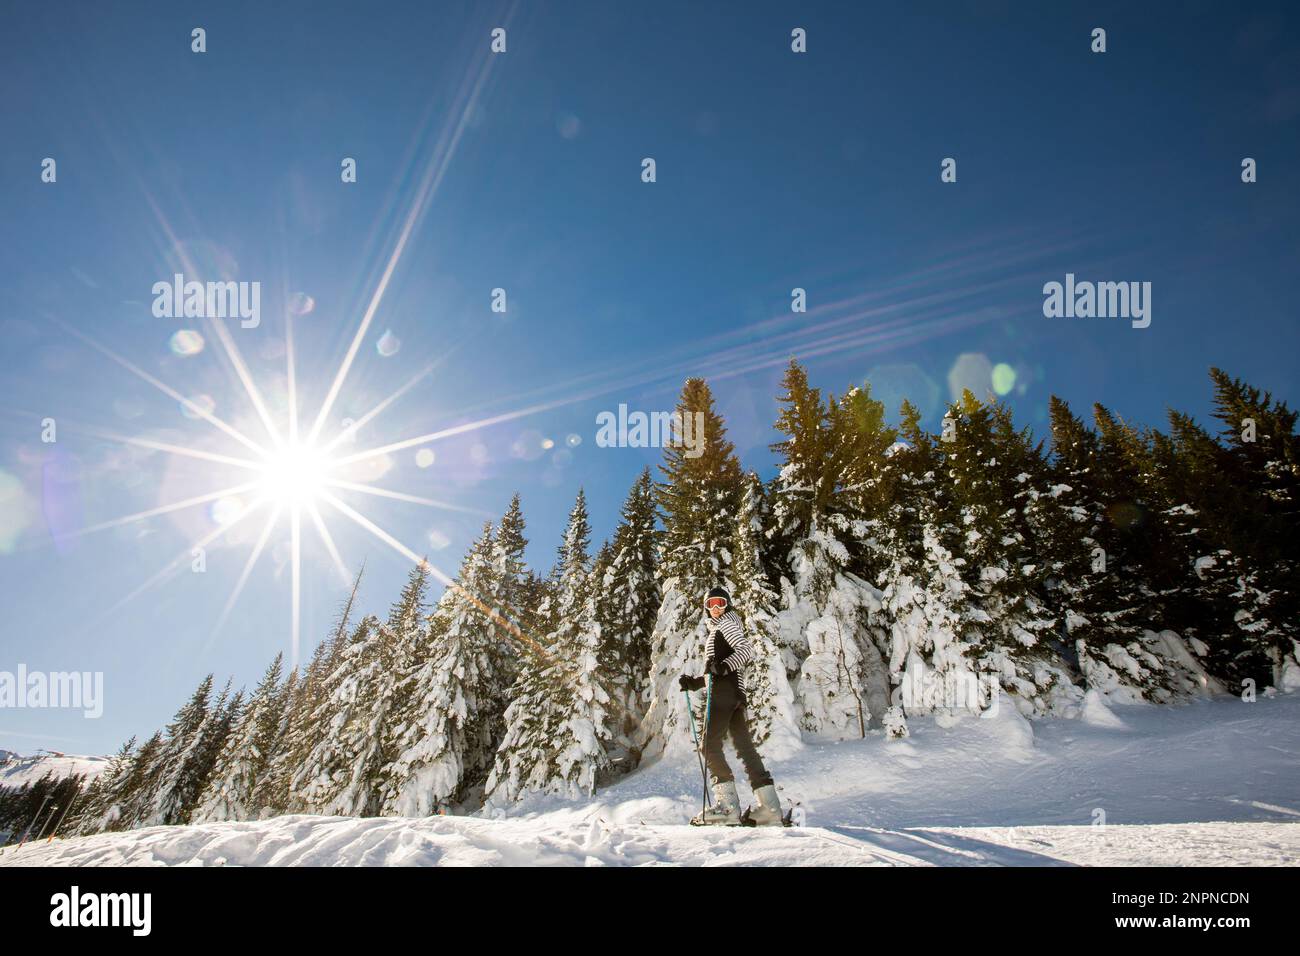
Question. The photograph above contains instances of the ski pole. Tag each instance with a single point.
(62, 817)
(699, 751)
(28, 832)
(47, 821)
(708, 709)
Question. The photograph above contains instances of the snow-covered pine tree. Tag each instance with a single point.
(537, 596)
(103, 793)
(245, 757)
(604, 612)
(306, 717)
(1206, 506)
(170, 779)
(394, 651)
(824, 606)
(924, 597)
(773, 713)
(557, 725)
(444, 742)
(994, 470)
(806, 484)
(1145, 574)
(865, 505)
(129, 801)
(271, 792)
(510, 588)
(325, 782)
(222, 719)
(409, 649)
(1075, 536)
(1065, 517)
(699, 497)
(627, 602)
(1260, 435)
(862, 453)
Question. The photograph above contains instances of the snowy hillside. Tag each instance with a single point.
(1207, 783)
(17, 770)
(585, 839)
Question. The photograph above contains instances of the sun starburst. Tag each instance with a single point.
(294, 475)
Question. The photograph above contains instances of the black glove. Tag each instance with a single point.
(690, 683)
(717, 668)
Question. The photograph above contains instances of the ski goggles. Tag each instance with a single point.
(715, 602)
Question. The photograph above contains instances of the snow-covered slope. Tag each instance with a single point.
(567, 839)
(1207, 783)
(20, 770)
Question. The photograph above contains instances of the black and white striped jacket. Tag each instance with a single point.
(728, 644)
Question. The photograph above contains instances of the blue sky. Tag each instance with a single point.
(522, 171)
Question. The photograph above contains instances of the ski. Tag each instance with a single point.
(746, 820)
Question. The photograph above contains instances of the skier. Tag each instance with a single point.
(727, 652)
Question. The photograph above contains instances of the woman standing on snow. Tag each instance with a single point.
(727, 652)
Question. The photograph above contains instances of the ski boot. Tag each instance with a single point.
(725, 811)
(768, 811)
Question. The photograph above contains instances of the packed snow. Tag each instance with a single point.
(1211, 782)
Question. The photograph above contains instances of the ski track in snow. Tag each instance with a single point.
(1215, 782)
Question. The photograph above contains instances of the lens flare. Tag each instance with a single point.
(15, 511)
(186, 342)
(1004, 378)
(226, 510)
(300, 303)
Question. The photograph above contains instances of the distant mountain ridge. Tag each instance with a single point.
(16, 770)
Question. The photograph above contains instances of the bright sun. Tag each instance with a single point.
(293, 475)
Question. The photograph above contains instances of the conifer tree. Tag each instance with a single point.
(1203, 502)
(627, 601)
(994, 470)
(129, 802)
(1144, 574)
(245, 757)
(557, 725)
(366, 740)
(103, 793)
(772, 709)
(862, 455)
(1066, 518)
(272, 791)
(444, 743)
(1260, 436)
(1101, 527)
(699, 497)
(221, 720)
(510, 587)
(332, 779)
(824, 606)
(306, 716)
(807, 481)
(171, 780)
(924, 598)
